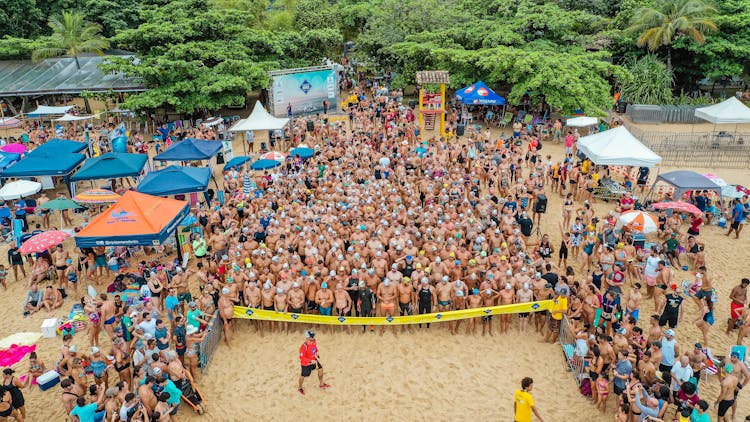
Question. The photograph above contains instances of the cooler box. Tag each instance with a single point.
(49, 327)
(48, 380)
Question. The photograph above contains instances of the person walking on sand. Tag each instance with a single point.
(308, 357)
(523, 402)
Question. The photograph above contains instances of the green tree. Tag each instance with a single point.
(668, 20)
(20, 18)
(648, 81)
(72, 35)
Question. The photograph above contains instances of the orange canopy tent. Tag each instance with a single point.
(135, 219)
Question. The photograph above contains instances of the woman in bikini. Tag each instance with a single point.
(602, 392)
(13, 385)
(591, 303)
(155, 287)
(607, 260)
(36, 369)
(567, 211)
(6, 407)
(91, 307)
(122, 360)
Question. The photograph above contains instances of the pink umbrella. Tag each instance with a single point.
(679, 206)
(14, 148)
(43, 241)
(273, 155)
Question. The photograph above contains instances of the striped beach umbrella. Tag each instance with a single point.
(96, 196)
(639, 221)
(43, 241)
(273, 155)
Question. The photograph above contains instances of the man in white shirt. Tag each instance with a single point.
(682, 372)
(148, 324)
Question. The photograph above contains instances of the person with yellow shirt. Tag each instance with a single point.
(523, 402)
(558, 310)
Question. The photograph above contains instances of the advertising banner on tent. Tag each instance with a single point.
(303, 91)
(119, 139)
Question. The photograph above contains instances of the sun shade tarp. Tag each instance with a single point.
(685, 181)
(62, 76)
(59, 146)
(111, 165)
(175, 180)
(479, 94)
(731, 110)
(135, 219)
(8, 158)
(259, 119)
(190, 149)
(617, 147)
(44, 164)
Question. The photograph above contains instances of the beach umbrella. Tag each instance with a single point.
(733, 191)
(716, 179)
(678, 206)
(265, 164)
(582, 121)
(14, 148)
(236, 162)
(43, 241)
(96, 196)
(304, 153)
(10, 122)
(273, 155)
(19, 189)
(60, 204)
(639, 221)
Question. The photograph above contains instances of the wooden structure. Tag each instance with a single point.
(432, 105)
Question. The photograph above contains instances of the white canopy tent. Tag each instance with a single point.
(50, 111)
(259, 119)
(72, 118)
(729, 111)
(617, 147)
(582, 121)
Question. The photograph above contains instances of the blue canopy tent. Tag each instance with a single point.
(265, 164)
(479, 94)
(45, 164)
(111, 165)
(190, 149)
(236, 162)
(304, 153)
(175, 180)
(60, 146)
(8, 158)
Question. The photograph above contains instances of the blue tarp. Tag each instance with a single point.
(236, 162)
(190, 149)
(44, 164)
(175, 180)
(60, 146)
(111, 165)
(303, 153)
(265, 164)
(479, 94)
(8, 158)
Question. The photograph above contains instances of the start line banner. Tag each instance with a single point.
(516, 308)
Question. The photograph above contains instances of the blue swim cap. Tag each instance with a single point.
(303, 272)
(409, 257)
(324, 285)
(475, 291)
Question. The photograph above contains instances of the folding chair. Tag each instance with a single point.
(507, 118)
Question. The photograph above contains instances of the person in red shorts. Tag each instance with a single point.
(738, 300)
(308, 358)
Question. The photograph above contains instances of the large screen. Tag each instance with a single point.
(304, 91)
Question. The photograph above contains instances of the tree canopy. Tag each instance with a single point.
(206, 54)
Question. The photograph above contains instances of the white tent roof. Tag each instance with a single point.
(71, 118)
(48, 110)
(729, 111)
(582, 121)
(259, 119)
(617, 147)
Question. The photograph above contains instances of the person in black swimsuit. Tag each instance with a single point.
(12, 385)
(6, 404)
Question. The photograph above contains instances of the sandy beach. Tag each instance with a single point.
(419, 375)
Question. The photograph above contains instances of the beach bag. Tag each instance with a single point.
(585, 387)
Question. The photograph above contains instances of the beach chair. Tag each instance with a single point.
(528, 119)
(507, 118)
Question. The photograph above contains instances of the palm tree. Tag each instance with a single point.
(669, 20)
(71, 36)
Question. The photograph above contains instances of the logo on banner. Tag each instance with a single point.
(121, 216)
(306, 86)
(483, 92)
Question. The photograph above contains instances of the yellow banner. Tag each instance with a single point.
(260, 314)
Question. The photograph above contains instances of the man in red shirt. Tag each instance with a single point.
(626, 203)
(308, 358)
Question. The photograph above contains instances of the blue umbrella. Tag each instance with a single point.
(264, 164)
(236, 162)
(304, 153)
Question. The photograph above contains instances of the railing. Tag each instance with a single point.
(210, 342)
(573, 364)
(698, 149)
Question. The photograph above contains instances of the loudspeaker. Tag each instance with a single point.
(540, 206)
(460, 130)
(310, 126)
